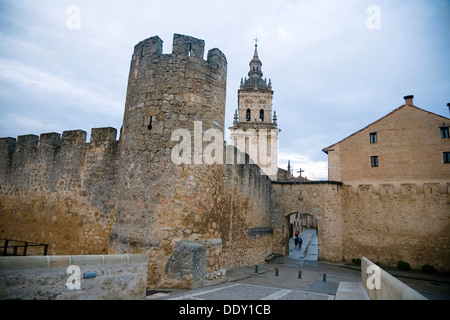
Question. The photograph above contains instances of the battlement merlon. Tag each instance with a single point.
(28, 142)
(99, 135)
(20, 150)
(188, 46)
(183, 46)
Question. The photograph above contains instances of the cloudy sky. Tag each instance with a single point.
(336, 66)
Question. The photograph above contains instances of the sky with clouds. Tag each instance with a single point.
(335, 66)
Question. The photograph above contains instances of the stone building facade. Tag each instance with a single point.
(170, 187)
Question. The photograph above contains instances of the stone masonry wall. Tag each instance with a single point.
(59, 190)
(247, 233)
(388, 226)
(373, 221)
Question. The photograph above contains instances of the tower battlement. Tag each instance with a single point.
(183, 46)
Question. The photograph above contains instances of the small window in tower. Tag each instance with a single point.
(373, 137)
(374, 161)
(444, 132)
(261, 115)
(248, 115)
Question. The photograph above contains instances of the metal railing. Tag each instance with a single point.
(9, 243)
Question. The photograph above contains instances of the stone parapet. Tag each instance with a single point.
(385, 287)
(74, 277)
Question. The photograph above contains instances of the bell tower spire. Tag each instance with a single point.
(254, 130)
(255, 63)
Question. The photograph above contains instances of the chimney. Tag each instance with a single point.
(409, 100)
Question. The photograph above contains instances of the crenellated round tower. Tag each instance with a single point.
(172, 100)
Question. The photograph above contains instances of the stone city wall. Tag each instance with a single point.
(388, 226)
(372, 221)
(247, 234)
(59, 190)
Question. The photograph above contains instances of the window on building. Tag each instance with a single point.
(374, 161)
(444, 132)
(446, 157)
(373, 137)
(261, 115)
(248, 115)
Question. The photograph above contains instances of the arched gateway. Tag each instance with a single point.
(319, 199)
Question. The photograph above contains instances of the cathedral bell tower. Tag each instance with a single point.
(254, 129)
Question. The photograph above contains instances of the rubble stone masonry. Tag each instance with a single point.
(59, 190)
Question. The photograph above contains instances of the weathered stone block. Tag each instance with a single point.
(188, 262)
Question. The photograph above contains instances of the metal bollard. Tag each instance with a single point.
(324, 277)
(276, 271)
(256, 269)
(299, 274)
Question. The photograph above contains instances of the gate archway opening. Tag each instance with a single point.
(305, 226)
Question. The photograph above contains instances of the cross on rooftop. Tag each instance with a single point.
(300, 171)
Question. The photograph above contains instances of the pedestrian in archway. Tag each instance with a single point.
(300, 241)
(296, 238)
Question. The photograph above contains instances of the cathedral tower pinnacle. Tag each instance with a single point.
(254, 128)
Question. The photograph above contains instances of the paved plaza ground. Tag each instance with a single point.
(298, 277)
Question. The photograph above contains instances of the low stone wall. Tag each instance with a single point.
(76, 277)
(386, 287)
